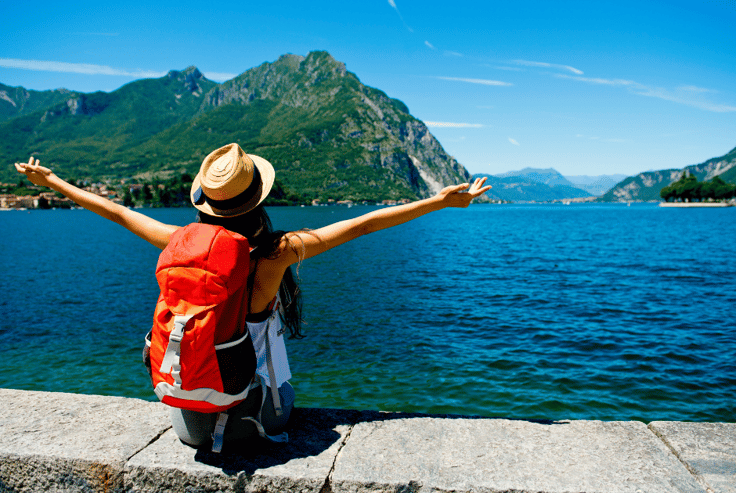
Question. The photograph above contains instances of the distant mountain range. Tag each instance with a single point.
(328, 135)
(544, 185)
(595, 185)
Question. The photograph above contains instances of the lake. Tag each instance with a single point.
(586, 311)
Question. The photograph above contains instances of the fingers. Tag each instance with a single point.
(454, 189)
(32, 162)
(33, 166)
(478, 189)
(483, 190)
(478, 183)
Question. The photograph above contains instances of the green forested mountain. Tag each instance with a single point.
(17, 101)
(647, 186)
(90, 135)
(327, 134)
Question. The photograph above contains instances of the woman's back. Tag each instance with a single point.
(228, 192)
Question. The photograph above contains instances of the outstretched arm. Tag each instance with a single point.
(154, 232)
(305, 244)
(299, 245)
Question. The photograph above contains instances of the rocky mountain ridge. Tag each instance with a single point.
(647, 186)
(18, 101)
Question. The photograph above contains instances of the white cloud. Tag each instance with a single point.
(429, 45)
(392, 3)
(687, 95)
(513, 141)
(452, 125)
(527, 63)
(595, 80)
(75, 68)
(511, 69)
(697, 89)
(484, 82)
(459, 139)
(453, 53)
(220, 76)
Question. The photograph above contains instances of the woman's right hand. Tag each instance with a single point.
(154, 232)
(37, 174)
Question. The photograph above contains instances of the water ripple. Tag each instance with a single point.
(585, 312)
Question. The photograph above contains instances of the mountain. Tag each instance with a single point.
(646, 186)
(523, 188)
(90, 135)
(549, 176)
(327, 134)
(17, 101)
(532, 185)
(595, 185)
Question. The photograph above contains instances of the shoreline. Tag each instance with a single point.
(78, 442)
(696, 204)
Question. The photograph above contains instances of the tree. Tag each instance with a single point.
(163, 194)
(687, 188)
(43, 203)
(667, 193)
(720, 189)
(147, 195)
(127, 198)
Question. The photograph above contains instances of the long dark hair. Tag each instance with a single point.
(265, 242)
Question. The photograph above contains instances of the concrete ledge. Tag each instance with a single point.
(67, 442)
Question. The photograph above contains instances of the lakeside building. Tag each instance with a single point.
(49, 200)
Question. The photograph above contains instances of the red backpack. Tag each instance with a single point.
(201, 356)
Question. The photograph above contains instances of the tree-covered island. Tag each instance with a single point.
(689, 189)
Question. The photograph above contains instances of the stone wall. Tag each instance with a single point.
(66, 442)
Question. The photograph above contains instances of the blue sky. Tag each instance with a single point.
(582, 87)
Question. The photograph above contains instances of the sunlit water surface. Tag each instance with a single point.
(523, 311)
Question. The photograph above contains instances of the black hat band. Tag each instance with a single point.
(244, 197)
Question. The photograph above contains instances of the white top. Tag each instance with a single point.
(276, 332)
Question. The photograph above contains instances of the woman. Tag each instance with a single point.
(229, 190)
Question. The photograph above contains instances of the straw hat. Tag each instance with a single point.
(231, 182)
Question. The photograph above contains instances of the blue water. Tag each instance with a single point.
(524, 311)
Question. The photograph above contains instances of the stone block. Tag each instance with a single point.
(52, 441)
(302, 465)
(397, 453)
(708, 450)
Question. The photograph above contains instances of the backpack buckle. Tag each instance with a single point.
(218, 437)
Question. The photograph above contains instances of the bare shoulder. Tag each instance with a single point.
(266, 282)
